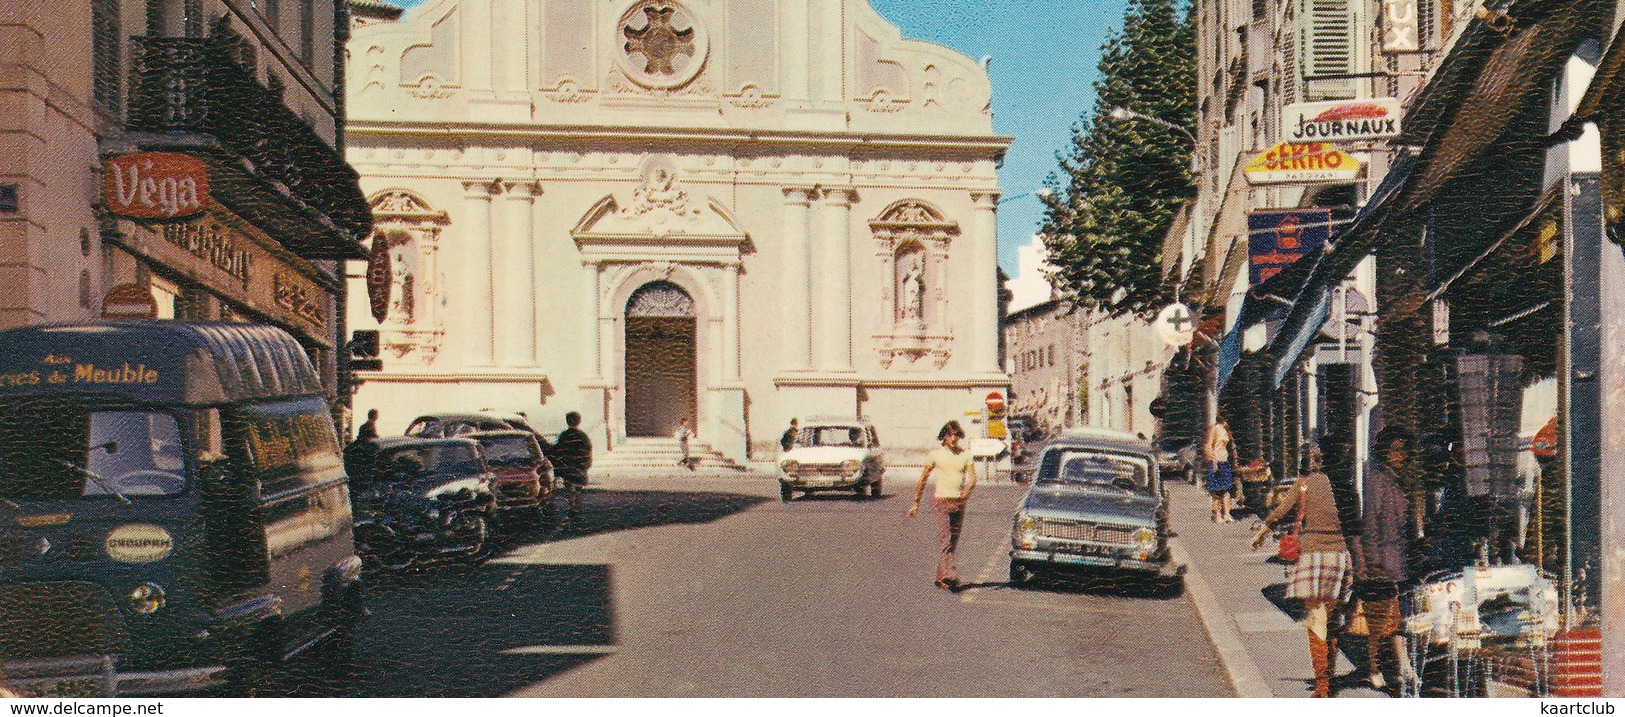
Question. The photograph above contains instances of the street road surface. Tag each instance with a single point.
(709, 587)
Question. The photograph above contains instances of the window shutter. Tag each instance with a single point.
(1331, 49)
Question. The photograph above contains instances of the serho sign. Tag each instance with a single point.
(1341, 120)
(155, 185)
(1302, 163)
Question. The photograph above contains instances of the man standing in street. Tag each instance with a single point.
(788, 440)
(369, 430)
(572, 456)
(1382, 547)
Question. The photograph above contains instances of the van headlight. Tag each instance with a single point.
(1026, 537)
(789, 468)
(147, 598)
(1145, 543)
(851, 467)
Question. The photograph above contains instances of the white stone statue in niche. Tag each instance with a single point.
(911, 291)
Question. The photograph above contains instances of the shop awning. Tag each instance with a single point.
(1604, 103)
(1332, 264)
(1173, 241)
(1485, 82)
(1269, 300)
(1228, 231)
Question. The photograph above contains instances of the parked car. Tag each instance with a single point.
(1096, 501)
(833, 454)
(1179, 459)
(176, 515)
(425, 500)
(452, 425)
(524, 478)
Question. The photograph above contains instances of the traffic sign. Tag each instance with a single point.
(1176, 325)
(995, 402)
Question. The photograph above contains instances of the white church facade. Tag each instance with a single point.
(728, 211)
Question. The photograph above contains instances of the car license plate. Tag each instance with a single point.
(1087, 549)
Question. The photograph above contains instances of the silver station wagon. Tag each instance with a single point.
(1096, 501)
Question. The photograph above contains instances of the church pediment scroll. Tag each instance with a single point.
(660, 207)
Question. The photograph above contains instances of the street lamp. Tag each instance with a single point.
(1124, 114)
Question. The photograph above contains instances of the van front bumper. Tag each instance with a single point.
(98, 676)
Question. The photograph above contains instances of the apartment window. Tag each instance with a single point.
(1331, 49)
(1261, 9)
(106, 49)
(307, 32)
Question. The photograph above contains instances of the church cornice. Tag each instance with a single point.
(640, 136)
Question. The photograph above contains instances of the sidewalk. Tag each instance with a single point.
(1239, 594)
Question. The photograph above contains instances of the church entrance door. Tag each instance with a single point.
(660, 383)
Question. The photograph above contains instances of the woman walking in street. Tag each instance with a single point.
(1323, 573)
(1221, 480)
(955, 477)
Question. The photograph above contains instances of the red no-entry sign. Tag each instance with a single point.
(995, 402)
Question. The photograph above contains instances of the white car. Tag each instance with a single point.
(833, 454)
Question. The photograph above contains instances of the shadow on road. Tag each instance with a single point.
(482, 631)
(608, 511)
(486, 630)
(1083, 582)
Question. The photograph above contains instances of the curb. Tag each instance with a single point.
(1245, 677)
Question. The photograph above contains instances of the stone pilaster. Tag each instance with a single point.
(832, 283)
(983, 289)
(515, 275)
(797, 280)
(476, 313)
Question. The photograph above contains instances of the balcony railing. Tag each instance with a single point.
(198, 85)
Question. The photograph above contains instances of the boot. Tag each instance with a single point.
(1319, 652)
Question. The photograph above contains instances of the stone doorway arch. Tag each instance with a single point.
(661, 360)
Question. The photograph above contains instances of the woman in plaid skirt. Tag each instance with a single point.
(1324, 572)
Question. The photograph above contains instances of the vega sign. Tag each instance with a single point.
(1302, 163)
(1341, 120)
(155, 185)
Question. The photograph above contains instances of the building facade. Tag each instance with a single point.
(190, 148)
(732, 211)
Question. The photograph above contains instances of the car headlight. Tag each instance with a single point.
(850, 467)
(789, 468)
(1026, 536)
(1145, 542)
(147, 598)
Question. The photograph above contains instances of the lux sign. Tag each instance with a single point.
(1399, 26)
(155, 185)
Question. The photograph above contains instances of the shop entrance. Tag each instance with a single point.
(661, 330)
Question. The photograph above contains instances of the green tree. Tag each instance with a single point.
(1122, 181)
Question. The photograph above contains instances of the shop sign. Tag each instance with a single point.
(1342, 120)
(1276, 238)
(380, 276)
(1176, 325)
(298, 297)
(155, 185)
(1302, 164)
(1400, 29)
(210, 240)
(129, 301)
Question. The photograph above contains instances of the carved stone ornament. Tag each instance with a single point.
(569, 92)
(662, 44)
(429, 88)
(660, 299)
(659, 197)
(750, 97)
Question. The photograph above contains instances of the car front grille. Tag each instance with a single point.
(58, 619)
(1068, 530)
(820, 471)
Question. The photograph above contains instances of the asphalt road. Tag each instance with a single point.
(712, 587)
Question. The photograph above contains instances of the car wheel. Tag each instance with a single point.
(786, 492)
(874, 488)
(859, 489)
(1020, 574)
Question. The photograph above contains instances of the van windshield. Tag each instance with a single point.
(52, 449)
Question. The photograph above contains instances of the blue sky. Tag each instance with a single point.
(1044, 56)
